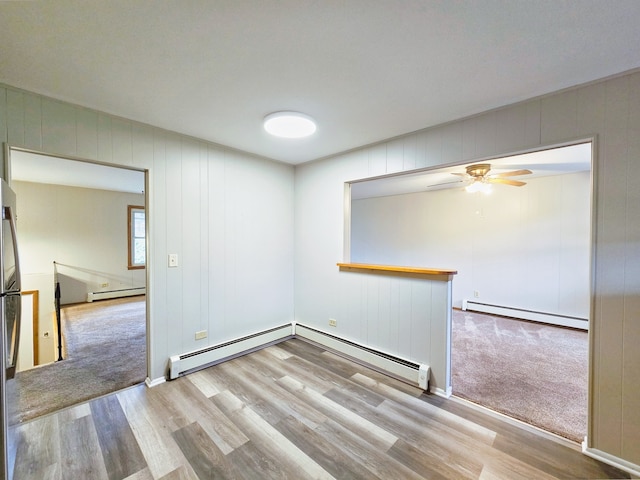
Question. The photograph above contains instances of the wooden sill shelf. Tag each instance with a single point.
(395, 269)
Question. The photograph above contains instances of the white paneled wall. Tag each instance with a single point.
(228, 216)
(526, 248)
(610, 112)
(215, 226)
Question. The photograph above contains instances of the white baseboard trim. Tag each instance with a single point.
(542, 317)
(155, 382)
(124, 292)
(411, 372)
(612, 460)
(440, 392)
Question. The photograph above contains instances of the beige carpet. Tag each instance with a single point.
(105, 351)
(530, 371)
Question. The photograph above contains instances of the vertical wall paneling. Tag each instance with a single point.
(377, 160)
(216, 228)
(142, 152)
(433, 147)
(532, 123)
(58, 127)
(105, 139)
(612, 203)
(409, 152)
(141, 145)
(395, 156)
(468, 139)
(346, 249)
(485, 134)
(512, 128)
(631, 328)
(420, 324)
(230, 239)
(3, 122)
(395, 315)
(559, 118)
(190, 227)
(33, 121)
(591, 102)
(608, 111)
(590, 108)
(87, 134)
(212, 220)
(438, 335)
(121, 141)
(451, 143)
(160, 295)
(203, 259)
(421, 149)
(176, 276)
(15, 114)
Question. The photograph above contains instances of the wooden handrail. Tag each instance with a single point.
(398, 269)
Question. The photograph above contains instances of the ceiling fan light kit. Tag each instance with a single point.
(479, 186)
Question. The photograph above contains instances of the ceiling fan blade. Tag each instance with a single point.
(459, 174)
(445, 183)
(513, 173)
(504, 181)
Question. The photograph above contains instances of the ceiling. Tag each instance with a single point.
(541, 163)
(36, 168)
(365, 70)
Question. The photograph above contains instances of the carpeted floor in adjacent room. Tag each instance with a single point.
(534, 372)
(105, 351)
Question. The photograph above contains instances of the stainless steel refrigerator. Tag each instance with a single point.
(10, 306)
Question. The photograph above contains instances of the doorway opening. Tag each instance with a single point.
(73, 244)
(523, 255)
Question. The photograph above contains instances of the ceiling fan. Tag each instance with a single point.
(479, 180)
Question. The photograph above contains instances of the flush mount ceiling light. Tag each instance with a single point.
(289, 124)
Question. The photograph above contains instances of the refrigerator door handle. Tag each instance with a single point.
(13, 343)
(12, 339)
(8, 214)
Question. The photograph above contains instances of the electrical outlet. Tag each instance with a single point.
(201, 334)
(173, 260)
(476, 294)
(333, 322)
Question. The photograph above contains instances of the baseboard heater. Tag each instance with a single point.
(412, 372)
(197, 359)
(551, 318)
(124, 292)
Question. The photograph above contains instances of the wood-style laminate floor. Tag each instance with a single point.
(288, 411)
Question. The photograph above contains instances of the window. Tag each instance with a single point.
(137, 240)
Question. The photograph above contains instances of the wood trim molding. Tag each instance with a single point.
(130, 265)
(367, 267)
(36, 322)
